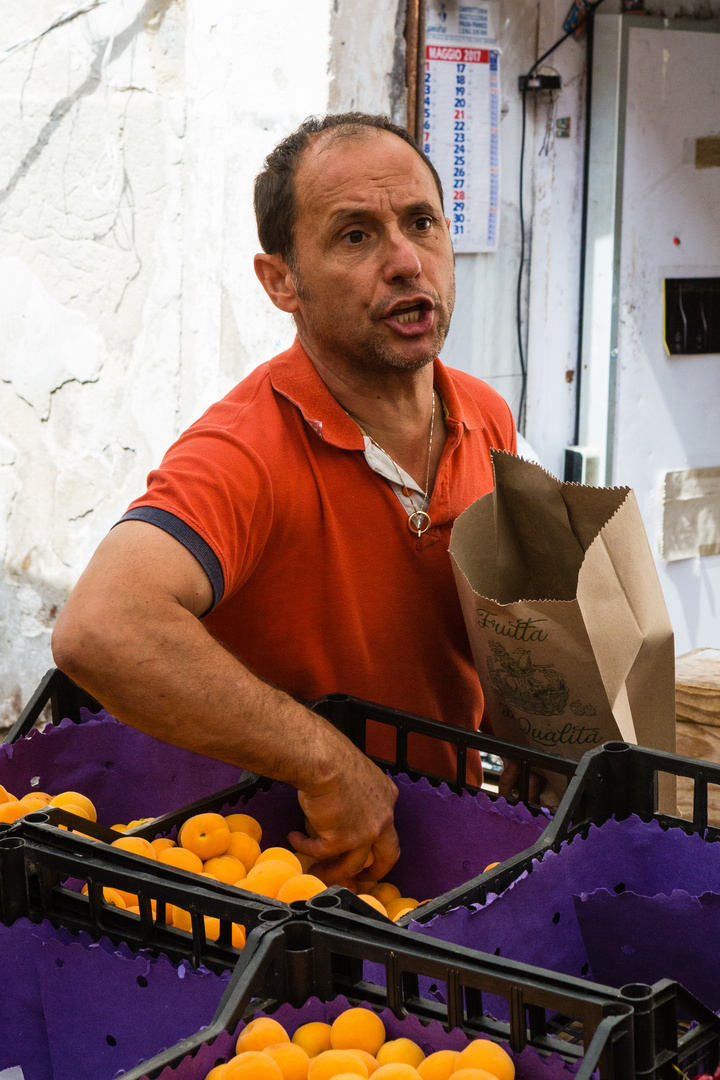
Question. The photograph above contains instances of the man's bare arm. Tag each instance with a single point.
(130, 634)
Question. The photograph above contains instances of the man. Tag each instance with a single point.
(296, 536)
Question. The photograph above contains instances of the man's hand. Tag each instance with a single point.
(510, 778)
(353, 817)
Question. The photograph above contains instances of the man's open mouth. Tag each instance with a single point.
(409, 315)
(410, 311)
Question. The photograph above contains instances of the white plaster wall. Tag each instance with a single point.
(131, 136)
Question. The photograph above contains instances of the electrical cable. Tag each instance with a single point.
(518, 305)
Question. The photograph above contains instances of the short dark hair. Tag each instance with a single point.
(275, 202)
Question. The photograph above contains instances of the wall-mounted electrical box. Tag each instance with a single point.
(692, 315)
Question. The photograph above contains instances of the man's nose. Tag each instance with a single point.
(401, 257)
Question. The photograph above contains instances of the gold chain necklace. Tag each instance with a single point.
(419, 521)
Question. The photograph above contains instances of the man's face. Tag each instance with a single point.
(373, 269)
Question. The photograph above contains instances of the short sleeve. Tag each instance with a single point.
(212, 493)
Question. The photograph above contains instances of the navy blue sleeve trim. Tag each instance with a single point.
(195, 544)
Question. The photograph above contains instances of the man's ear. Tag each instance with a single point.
(275, 277)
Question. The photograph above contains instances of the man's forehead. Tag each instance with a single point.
(340, 160)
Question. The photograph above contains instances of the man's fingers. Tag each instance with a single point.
(509, 777)
(338, 867)
(508, 784)
(385, 852)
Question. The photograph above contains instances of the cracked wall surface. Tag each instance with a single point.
(131, 135)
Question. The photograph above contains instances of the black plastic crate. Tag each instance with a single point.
(79, 1007)
(304, 959)
(125, 772)
(615, 780)
(42, 869)
(57, 693)
(671, 1029)
(619, 779)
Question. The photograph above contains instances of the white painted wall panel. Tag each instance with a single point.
(668, 407)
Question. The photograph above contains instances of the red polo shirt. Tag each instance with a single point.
(319, 585)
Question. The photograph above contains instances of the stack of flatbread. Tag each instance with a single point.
(697, 707)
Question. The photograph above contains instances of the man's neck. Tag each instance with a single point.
(396, 410)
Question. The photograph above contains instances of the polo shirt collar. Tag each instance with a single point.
(294, 375)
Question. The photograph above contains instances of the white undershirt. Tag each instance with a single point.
(383, 465)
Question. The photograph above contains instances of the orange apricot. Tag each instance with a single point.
(162, 843)
(260, 1033)
(332, 1063)
(358, 1029)
(224, 868)
(396, 1070)
(300, 887)
(113, 897)
(313, 1037)
(136, 845)
(244, 847)
(438, 1066)
(11, 811)
(267, 878)
(291, 1058)
(217, 1073)
(401, 904)
(370, 1061)
(281, 853)
(373, 902)
(244, 823)
(400, 1051)
(78, 811)
(75, 799)
(33, 802)
(7, 796)
(182, 858)
(488, 1055)
(384, 892)
(252, 1065)
(206, 835)
(473, 1074)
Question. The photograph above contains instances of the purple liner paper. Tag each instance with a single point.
(83, 1010)
(632, 938)
(534, 921)
(430, 1037)
(125, 773)
(445, 839)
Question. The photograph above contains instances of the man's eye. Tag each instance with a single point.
(355, 236)
(423, 224)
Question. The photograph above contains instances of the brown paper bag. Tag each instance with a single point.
(566, 618)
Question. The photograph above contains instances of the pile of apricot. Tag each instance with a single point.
(354, 1045)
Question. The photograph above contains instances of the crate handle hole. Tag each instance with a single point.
(141, 980)
(636, 991)
(12, 842)
(620, 887)
(272, 916)
(325, 901)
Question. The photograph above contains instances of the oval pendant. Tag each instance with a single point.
(419, 522)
